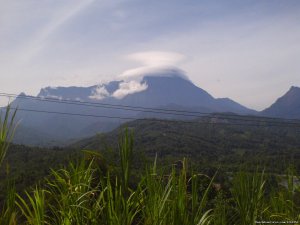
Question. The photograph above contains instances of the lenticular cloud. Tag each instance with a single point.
(157, 58)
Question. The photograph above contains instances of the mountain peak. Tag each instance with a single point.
(287, 106)
(22, 94)
(294, 89)
(293, 92)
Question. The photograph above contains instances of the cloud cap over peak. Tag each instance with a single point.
(155, 63)
(157, 58)
(153, 71)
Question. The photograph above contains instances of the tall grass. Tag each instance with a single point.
(173, 199)
(85, 193)
(248, 193)
(125, 149)
(7, 129)
(8, 214)
(80, 194)
(283, 206)
(34, 209)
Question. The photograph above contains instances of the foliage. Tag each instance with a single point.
(81, 194)
(249, 205)
(90, 191)
(208, 146)
(7, 129)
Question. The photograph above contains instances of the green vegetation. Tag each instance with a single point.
(7, 129)
(25, 166)
(89, 192)
(110, 187)
(208, 146)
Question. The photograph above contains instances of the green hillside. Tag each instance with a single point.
(209, 145)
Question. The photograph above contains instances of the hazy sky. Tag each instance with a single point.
(246, 50)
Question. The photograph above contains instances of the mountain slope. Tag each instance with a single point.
(167, 90)
(206, 144)
(287, 106)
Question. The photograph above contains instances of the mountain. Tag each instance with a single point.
(172, 89)
(169, 90)
(287, 106)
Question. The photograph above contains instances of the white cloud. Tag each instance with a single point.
(157, 58)
(126, 87)
(130, 87)
(155, 63)
(140, 72)
(99, 93)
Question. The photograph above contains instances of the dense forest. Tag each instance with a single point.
(207, 145)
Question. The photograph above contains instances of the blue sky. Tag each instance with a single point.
(246, 50)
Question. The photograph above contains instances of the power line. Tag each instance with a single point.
(125, 107)
(208, 115)
(104, 105)
(154, 110)
(153, 119)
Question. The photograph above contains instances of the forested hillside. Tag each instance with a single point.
(208, 146)
(225, 145)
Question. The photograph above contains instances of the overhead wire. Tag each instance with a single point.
(194, 114)
(156, 119)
